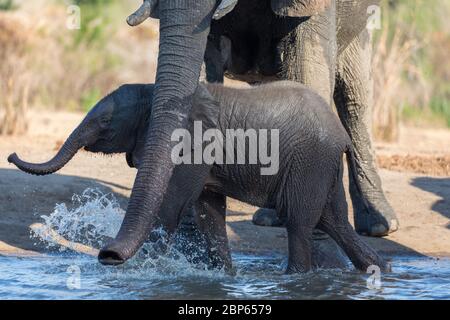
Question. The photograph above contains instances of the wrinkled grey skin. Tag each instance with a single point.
(307, 191)
(312, 48)
(329, 52)
(323, 44)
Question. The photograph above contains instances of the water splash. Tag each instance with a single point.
(93, 218)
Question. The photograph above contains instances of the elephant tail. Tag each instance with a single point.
(353, 173)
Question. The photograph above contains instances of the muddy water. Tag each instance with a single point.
(92, 217)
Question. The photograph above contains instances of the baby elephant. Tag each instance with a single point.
(307, 189)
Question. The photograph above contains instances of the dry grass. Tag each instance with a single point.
(429, 165)
(14, 75)
(410, 59)
(44, 66)
(392, 58)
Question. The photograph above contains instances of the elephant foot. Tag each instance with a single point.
(379, 220)
(267, 218)
(326, 254)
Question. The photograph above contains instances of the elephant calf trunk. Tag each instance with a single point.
(64, 155)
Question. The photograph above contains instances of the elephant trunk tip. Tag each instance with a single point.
(110, 258)
(13, 158)
(26, 167)
(114, 254)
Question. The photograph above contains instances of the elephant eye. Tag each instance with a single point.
(105, 122)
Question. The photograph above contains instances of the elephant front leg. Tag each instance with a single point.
(308, 55)
(299, 246)
(190, 240)
(308, 52)
(354, 99)
(210, 216)
(177, 214)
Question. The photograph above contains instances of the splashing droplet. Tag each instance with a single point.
(94, 218)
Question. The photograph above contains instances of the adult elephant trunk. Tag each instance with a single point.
(64, 155)
(184, 28)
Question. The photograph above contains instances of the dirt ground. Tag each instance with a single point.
(416, 178)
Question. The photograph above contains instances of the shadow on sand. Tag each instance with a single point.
(250, 238)
(441, 188)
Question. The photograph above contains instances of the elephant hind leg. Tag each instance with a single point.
(334, 222)
(354, 98)
(301, 221)
(301, 206)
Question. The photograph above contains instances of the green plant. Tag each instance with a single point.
(96, 21)
(6, 5)
(90, 98)
(440, 106)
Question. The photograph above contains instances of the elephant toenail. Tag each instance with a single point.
(379, 230)
(394, 225)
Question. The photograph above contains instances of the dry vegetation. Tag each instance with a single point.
(389, 62)
(14, 75)
(411, 80)
(438, 166)
(46, 65)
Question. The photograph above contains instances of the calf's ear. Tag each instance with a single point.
(134, 158)
(206, 109)
(299, 8)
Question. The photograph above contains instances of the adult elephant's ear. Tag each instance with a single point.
(299, 8)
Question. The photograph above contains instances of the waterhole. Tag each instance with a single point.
(93, 217)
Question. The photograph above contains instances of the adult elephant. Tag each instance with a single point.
(322, 43)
